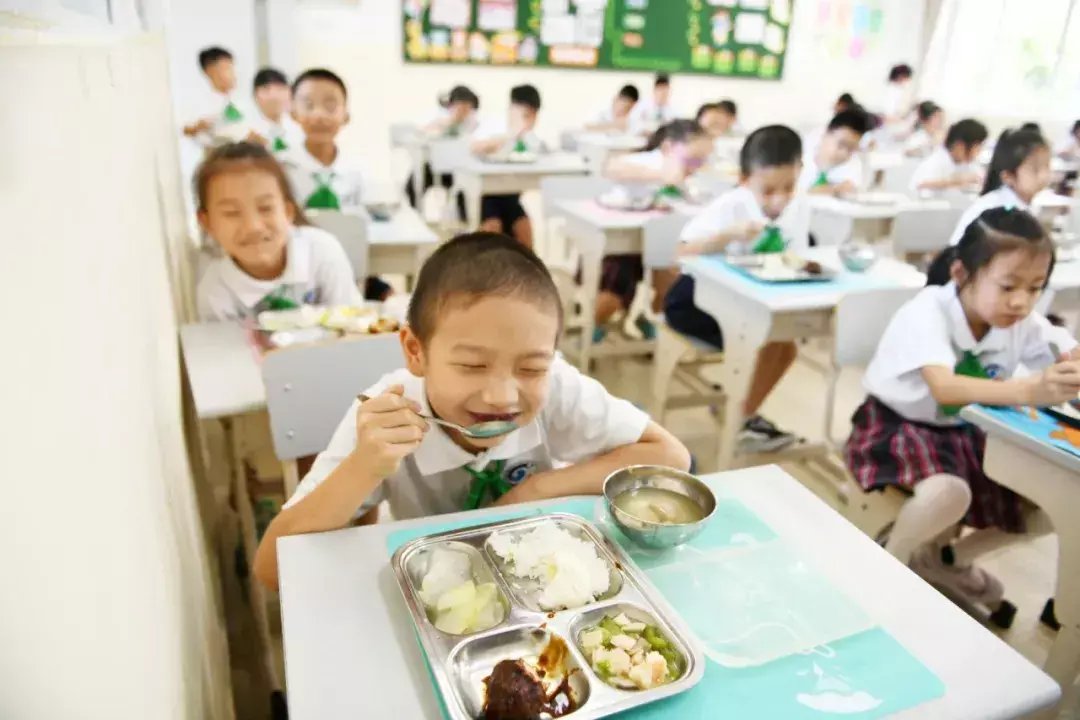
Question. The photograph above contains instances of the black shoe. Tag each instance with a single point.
(758, 435)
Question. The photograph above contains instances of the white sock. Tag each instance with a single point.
(939, 503)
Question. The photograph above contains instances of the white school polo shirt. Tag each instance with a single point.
(650, 160)
(919, 143)
(647, 114)
(851, 170)
(306, 174)
(317, 272)
(580, 421)
(500, 127)
(939, 165)
(931, 329)
(284, 131)
(739, 206)
(1002, 197)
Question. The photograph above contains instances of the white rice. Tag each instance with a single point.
(569, 570)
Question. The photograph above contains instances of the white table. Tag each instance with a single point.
(400, 245)
(751, 314)
(478, 177)
(597, 231)
(1049, 477)
(599, 147)
(870, 221)
(351, 651)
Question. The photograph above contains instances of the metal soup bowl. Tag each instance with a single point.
(651, 534)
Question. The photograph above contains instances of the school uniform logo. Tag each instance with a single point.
(995, 371)
(515, 474)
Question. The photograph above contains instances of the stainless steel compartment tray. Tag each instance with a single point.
(459, 662)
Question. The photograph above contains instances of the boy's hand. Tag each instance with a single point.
(845, 188)
(1057, 384)
(749, 230)
(388, 428)
(254, 137)
(198, 127)
(528, 490)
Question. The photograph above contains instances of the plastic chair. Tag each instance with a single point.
(677, 359)
(403, 134)
(860, 321)
(554, 189)
(351, 230)
(445, 156)
(898, 179)
(918, 231)
(309, 388)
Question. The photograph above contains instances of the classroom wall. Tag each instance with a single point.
(363, 43)
(107, 602)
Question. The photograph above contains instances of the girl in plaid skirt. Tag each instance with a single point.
(951, 345)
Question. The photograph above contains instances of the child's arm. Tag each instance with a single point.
(718, 242)
(388, 429)
(656, 446)
(1057, 384)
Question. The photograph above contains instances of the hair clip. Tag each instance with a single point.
(1009, 208)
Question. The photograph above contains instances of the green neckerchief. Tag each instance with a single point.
(279, 144)
(520, 146)
(453, 131)
(771, 241)
(968, 366)
(232, 113)
(670, 191)
(277, 301)
(822, 179)
(324, 198)
(488, 481)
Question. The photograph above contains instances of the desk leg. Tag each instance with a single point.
(417, 179)
(1057, 492)
(471, 186)
(256, 593)
(746, 327)
(589, 242)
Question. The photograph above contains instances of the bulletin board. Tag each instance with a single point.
(733, 38)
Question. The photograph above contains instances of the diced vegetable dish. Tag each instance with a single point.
(630, 654)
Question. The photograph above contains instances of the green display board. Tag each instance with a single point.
(740, 38)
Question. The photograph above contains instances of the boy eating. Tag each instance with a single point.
(829, 163)
(479, 345)
(955, 164)
(273, 126)
(220, 71)
(504, 213)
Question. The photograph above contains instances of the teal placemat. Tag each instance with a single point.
(1038, 427)
(865, 675)
(844, 282)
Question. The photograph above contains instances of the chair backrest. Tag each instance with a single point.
(351, 230)
(861, 319)
(402, 134)
(897, 179)
(923, 230)
(309, 387)
(569, 187)
(661, 236)
(447, 155)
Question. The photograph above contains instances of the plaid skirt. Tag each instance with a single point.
(887, 449)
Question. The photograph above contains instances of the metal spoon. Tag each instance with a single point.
(479, 431)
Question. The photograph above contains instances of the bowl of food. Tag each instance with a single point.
(383, 211)
(857, 256)
(658, 507)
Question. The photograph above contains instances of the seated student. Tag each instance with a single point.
(767, 194)
(321, 175)
(897, 103)
(1019, 170)
(272, 124)
(929, 129)
(954, 344)
(222, 109)
(1069, 147)
(273, 259)
(457, 118)
(617, 117)
(718, 119)
(956, 163)
(830, 165)
(479, 345)
(652, 112)
(675, 152)
(504, 213)
(1032, 126)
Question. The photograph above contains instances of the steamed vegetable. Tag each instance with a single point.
(630, 654)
